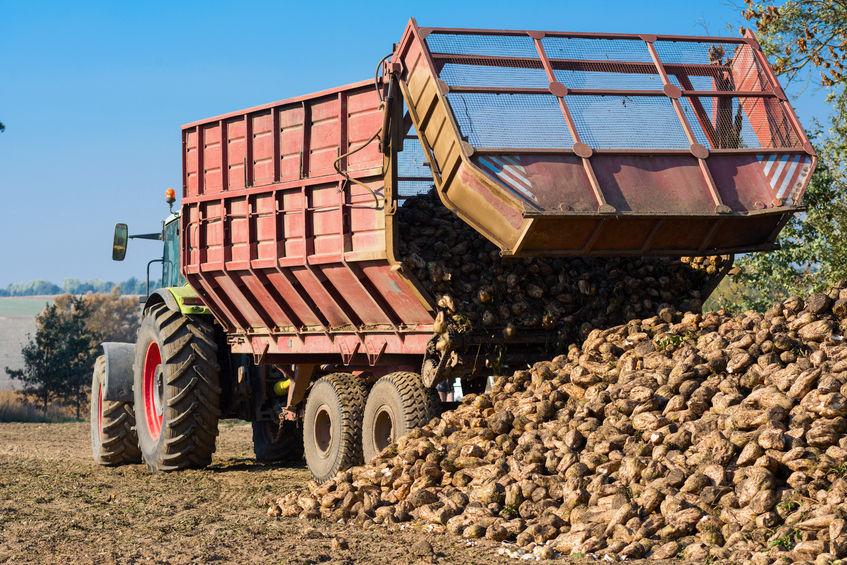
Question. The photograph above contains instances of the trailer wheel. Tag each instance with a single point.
(113, 438)
(176, 390)
(274, 446)
(332, 425)
(397, 403)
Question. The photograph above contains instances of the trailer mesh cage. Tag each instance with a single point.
(585, 123)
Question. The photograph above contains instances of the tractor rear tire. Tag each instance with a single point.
(176, 390)
(113, 438)
(274, 446)
(397, 404)
(332, 425)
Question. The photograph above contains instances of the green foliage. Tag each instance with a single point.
(59, 359)
(2, 127)
(812, 254)
(111, 316)
(786, 541)
(800, 36)
(788, 506)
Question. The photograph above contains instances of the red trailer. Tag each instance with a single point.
(546, 143)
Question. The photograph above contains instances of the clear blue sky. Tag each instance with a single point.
(93, 95)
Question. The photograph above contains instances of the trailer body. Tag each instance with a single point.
(546, 143)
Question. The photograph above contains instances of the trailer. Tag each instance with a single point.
(298, 313)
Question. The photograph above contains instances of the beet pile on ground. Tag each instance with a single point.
(477, 289)
(680, 435)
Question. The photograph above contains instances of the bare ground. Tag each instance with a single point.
(57, 506)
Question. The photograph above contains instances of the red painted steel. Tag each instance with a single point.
(290, 256)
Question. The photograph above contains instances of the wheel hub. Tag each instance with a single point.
(153, 390)
(100, 410)
(383, 428)
(323, 431)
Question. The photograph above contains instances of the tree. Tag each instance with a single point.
(800, 36)
(2, 127)
(111, 316)
(58, 361)
(806, 34)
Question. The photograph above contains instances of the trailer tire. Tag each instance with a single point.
(398, 403)
(113, 438)
(288, 447)
(332, 425)
(176, 390)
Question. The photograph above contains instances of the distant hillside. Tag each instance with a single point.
(76, 286)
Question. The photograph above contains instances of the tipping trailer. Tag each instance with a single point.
(299, 314)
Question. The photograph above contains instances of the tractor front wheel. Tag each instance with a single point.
(113, 438)
(176, 390)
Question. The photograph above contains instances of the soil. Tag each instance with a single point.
(56, 505)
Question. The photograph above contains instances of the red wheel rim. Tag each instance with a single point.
(100, 409)
(152, 389)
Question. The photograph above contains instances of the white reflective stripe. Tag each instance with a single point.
(777, 172)
(802, 176)
(769, 163)
(514, 172)
(790, 175)
(489, 165)
(501, 172)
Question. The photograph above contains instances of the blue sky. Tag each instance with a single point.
(93, 95)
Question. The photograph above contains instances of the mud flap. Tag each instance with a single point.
(117, 382)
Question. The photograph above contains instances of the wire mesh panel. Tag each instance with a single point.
(728, 122)
(596, 49)
(490, 45)
(608, 80)
(510, 120)
(482, 73)
(608, 122)
(530, 117)
(414, 175)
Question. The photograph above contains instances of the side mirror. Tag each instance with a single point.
(119, 243)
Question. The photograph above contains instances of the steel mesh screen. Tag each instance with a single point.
(413, 173)
(470, 74)
(644, 122)
(591, 49)
(731, 66)
(608, 80)
(607, 121)
(411, 161)
(695, 52)
(695, 82)
(510, 120)
(478, 44)
(739, 123)
(407, 188)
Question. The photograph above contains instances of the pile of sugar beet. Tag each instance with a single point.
(701, 437)
(476, 289)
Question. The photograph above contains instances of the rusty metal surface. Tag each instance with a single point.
(580, 144)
